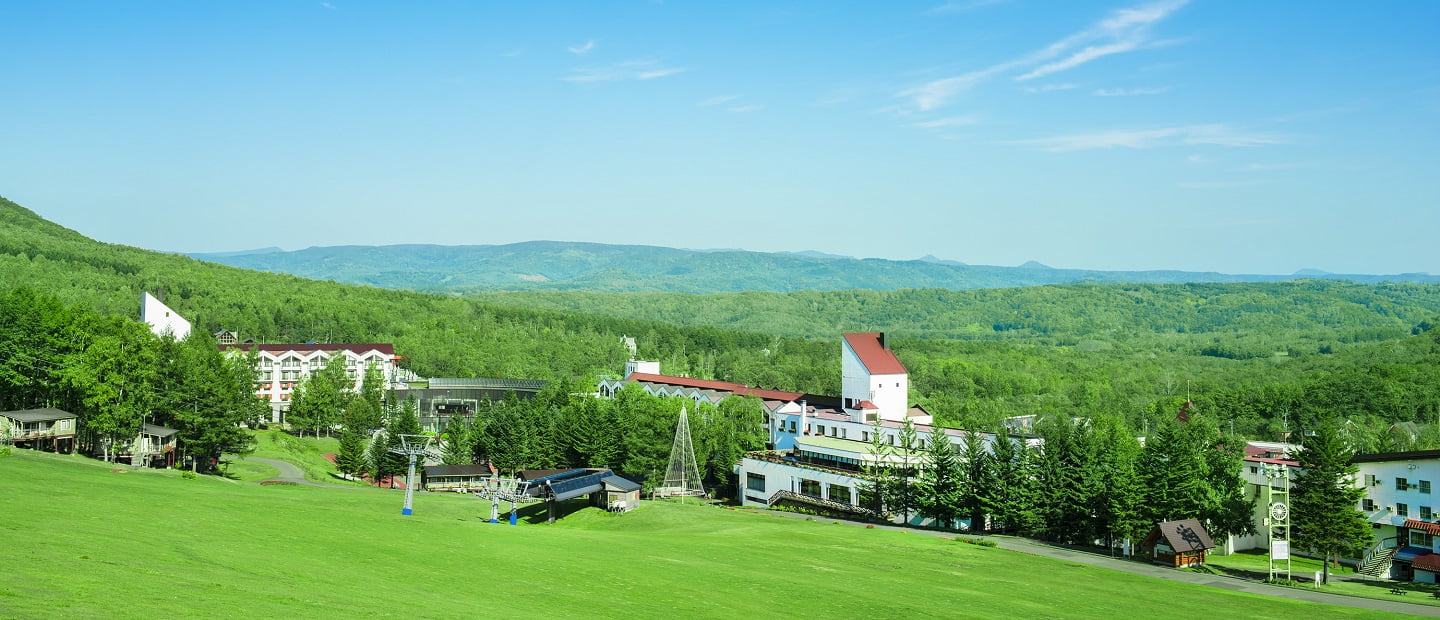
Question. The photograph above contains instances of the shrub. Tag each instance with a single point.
(975, 541)
(187, 474)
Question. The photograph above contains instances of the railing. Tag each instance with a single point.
(1378, 548)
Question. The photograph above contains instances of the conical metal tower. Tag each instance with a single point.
(682, 476)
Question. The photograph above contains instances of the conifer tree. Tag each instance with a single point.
(1324, 497)
(905, 496)
(457, 450)
(977, 465)
(351, 457)
(877, 488)
(940, 481)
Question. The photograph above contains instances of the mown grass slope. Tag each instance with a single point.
(84, 541)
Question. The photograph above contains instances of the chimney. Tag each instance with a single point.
(883, 344)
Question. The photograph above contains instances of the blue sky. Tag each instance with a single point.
(1242, 137)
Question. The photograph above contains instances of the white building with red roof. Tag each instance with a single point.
(280, 367)
(872, 378)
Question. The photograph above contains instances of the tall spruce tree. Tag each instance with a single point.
(876, 487)
(940, 481)
(905, 493)
(1324, 498)
(978, 468)
(457, 449)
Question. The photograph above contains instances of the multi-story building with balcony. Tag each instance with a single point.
(1400, 503)
(280, 367)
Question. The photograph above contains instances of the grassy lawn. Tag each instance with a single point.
(83, 541)
(1254, 564)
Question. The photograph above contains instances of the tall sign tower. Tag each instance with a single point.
(1277, 518)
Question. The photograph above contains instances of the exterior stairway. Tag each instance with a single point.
(791, 498)
(1378, 558)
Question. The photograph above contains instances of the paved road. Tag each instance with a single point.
(291, 473)
(1026, 545)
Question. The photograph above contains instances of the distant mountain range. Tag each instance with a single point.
(556, 265)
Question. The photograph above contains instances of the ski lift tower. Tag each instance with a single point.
(412, 446)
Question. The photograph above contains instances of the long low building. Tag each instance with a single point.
(817, 444)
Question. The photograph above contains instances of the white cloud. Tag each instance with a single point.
(1216, 184)
(328, 5)
(1197, 159)
(1123, 31)
(961, 6)
(1129, 92)
(714, 101)
(1048, 88)
(953, 121)
(1213, 135)
(1273, 167)
(749, 107)
(628, 70)
(583, 48)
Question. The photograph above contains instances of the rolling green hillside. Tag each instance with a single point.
(563, 266)
(1261, 355)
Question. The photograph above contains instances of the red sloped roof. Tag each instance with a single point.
(876, 358)
(722, 386)
(1429, 561)
(1424, 526)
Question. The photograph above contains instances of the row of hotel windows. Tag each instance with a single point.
(1401, 484)
(1401, 509)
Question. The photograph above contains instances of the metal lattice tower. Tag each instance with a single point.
(682, 476)
(1277, 518)
(510, 490)
(412, 446)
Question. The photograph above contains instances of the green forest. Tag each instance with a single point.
(1263, 358)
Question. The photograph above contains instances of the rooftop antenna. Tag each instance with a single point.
(682, 476)
(412, 446)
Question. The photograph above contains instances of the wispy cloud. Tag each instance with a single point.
(1123, 31)
(512, 54)
(1050, 88)
(948, 122)
(1217, 184)
(749, 107)
(328, 5)
(620, 71)
(1212, 135)
(962, 6)
(583, 48)
(1129, 92)
(717, 100)
(1291, 165)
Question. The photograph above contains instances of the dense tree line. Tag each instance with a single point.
(116, 375)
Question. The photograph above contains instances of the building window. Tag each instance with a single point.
(754, 481)
(1424, 486)
(1401, 484)
(1419, 539)
(792, 426)
(839, 493)
(1402, 509)
(810, 487)
(1425, 513)
(1367, 505)
(820, 429)
(1252, 469)
(1371, 480)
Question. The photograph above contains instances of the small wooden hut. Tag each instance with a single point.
(1178, 543)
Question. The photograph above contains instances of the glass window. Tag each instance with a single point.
(810, 487)
(1402, 509)
(1400, 484)
(1419, 539)
(1367, 504)
(1424, 486)
(1425, 513)
(839, 493)
(754, 481)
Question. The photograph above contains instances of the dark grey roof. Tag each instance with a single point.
(457, 470)
(620, 484)
(38, 415)
(1381, 457)
(158, 431)
(1185, 535)
(521, 385)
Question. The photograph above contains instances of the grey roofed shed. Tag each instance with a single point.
(39, 415)
(616, 483)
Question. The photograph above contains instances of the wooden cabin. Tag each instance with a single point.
(41, 429)
(621, 495)
(1178, 543)
(153, 446)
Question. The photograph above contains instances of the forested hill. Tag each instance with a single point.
(553, 265)
(1259, 355)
